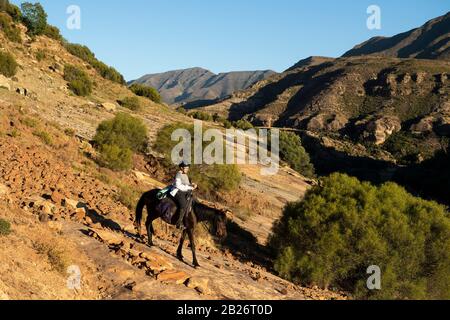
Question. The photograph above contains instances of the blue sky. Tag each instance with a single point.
(149, 36)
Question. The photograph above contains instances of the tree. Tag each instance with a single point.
(34, 17)
(344, 226)
(292, 151)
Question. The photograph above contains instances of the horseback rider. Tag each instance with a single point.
(182, 192)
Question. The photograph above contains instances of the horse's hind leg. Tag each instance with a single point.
(180, 247)
(192, 241)
(150, 232)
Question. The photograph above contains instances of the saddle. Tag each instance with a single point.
(165, 208)
(161, 195)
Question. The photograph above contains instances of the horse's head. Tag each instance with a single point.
(221, 223)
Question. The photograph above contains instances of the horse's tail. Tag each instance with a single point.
(147, 199)
(140, 208)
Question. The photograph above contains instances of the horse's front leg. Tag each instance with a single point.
(180, 247)
(192, 241)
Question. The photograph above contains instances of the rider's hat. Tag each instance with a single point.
(184, 165)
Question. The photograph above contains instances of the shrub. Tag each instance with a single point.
(34, 17)
(52, 32)
(227, 124)
(210, 178)
(123, 131)
(115, 157)
(85, 54)
(8, 65)
(56, 255)
(292, 151)
(13, 11)
(181, 110)
(146, 92)
(78, 80)
(70, 132)
(40, 55)
(243, 125)
(131, 103)
(5, 227)
(344, 226)
(118, 138)
(9, 29)
(44, 136)
(203, 116)
(30, 122)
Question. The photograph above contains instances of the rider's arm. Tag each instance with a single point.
(180, 186)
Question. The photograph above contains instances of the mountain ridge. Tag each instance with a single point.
(193, 84)
(430, 41)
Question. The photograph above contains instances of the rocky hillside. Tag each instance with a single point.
(66, 210)
(431, 41)
(197, 84)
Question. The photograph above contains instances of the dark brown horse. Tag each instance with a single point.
(199, 213)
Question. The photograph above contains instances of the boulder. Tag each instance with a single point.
(57, 198)
(156, 263)
(106, 237)
(71, 203)
(199, 283)
(172, 276)
(79, 215)
(3, 190)
(382, 128)
(424, 125)
(327, 122)
(108, 106)
(4, 83)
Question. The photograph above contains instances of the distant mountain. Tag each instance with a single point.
(197, 84)
(431, 41)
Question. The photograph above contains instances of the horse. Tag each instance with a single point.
(198, 213)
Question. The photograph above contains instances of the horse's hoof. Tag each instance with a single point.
(181, 258)
(196, 266)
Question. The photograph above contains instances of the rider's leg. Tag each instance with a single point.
(181, 198)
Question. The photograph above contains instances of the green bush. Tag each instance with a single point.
(115, 157)
(34, 17)
(227, 124)
(78, 80)
(292, 152)
(131, 103)
(203, 116)
(44, 136)
(40, 55)
(9, 29)
(210, 178)
(53, 32)
(344, 226)
(5, 227)
(85, 54)
(243, 125)
(13, 11)
(8, 65)
(124, 131)
(118, 138)
(146, 92)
